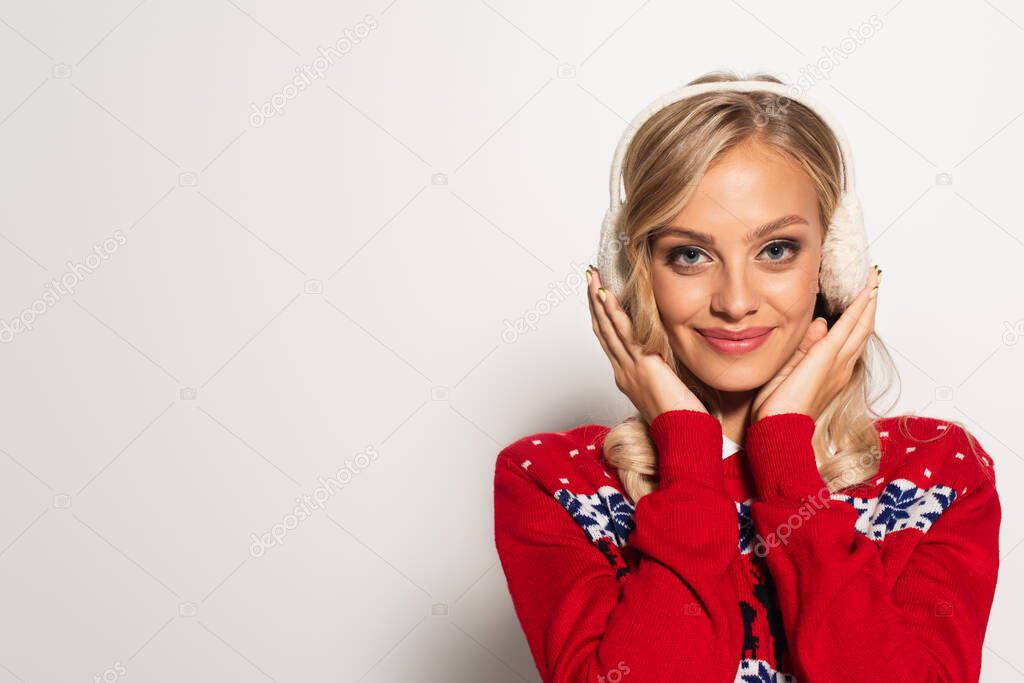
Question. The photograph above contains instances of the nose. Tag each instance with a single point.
(735, 296)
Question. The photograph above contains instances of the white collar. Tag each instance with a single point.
(728, 447)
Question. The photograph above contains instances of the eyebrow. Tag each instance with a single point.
(756, 233)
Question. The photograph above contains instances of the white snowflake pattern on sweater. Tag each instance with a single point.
(759, 671)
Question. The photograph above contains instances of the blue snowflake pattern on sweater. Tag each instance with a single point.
(605, 514)
(901, 505)
(759, 671)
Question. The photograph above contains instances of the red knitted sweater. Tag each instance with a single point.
(742, 566)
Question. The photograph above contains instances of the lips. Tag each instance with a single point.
(733, 335)
(735, 341)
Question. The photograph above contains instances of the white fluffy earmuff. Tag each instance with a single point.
(845, 259)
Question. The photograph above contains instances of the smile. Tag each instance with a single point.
(735, 346)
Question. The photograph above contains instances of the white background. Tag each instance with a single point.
(336, 279)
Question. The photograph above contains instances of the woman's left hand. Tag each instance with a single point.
(823, 362)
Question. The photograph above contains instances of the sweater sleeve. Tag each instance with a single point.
(851, 612)
(675, 617)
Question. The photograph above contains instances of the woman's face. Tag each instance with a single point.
(742, 256)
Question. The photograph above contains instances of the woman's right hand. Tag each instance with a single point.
(645, 378)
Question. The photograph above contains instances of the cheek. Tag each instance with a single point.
(678, 304)
(792, 294)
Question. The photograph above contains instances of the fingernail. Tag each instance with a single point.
(601, 293)
(589, 275)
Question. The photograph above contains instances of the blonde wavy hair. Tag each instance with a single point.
(662, 166)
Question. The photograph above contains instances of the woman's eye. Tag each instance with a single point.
(777, 251)
(687, 257)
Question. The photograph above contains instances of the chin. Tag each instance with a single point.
(734, 379)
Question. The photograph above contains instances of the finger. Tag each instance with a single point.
(812, 335)
(591, 288)
(858, 339)
(815, 331)
(604, 322)
(799, 376)
(844, 327)
(621, 322)
(593, 303)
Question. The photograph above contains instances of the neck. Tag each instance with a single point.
(736, 413)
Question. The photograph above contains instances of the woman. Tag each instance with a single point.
(756, 520)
